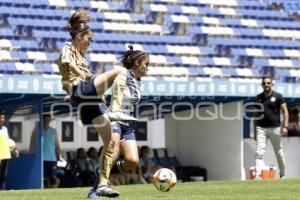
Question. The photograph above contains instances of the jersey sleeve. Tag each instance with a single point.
(280, 99)
(66, 55)
(118, 89)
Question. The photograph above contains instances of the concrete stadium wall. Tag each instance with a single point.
(214, 144)
(29, 123)
(219, 147)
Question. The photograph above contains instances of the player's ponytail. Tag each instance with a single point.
(131, 57)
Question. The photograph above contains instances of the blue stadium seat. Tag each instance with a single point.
(231, 72)
(44, 68)
(261, 62)
(6, 2)
(8, 68)
(281, 73)
(23, 11)
(159, 154)
(256, 73)
(49, 13)
(2, 68)
(174, 60)
(40, 3)
(52, 57)
(117, 6)
(39, 68)
(5, 11)
(197, 71)
(108, 68)
(78, 4)
(103, 47)
(48, 68)
(138, 17)
(64, 14)
(6, 32)
(22, 56)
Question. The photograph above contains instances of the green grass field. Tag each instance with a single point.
(288, 189)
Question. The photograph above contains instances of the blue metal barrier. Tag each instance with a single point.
(24, 172)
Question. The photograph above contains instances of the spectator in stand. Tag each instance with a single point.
(93, 157)
(147, 164)
(86, 173)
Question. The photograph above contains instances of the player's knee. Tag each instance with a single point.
(132, 162)
(111, 144)
(259, 155)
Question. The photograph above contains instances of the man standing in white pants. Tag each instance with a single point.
(267, 125)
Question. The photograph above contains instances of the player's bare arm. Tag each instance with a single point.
(285, 112)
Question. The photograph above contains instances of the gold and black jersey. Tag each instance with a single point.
(69, 55)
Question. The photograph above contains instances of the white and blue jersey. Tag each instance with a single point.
(126, 95)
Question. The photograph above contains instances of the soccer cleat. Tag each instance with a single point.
(282, 177)
(92, 194)
(119, 116)
(107, 191)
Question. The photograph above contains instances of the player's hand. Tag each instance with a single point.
(284, 131)
(15, 153)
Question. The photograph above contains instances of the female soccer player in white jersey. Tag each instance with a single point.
(125, 95)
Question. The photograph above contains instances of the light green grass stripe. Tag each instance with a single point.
(288, 189)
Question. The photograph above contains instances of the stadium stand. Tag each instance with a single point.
(236, 38)
(289, 6)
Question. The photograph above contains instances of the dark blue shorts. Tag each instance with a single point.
(49, 167)
(84, 96)
(85, 91)
(126, 131)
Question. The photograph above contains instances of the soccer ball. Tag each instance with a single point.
(164, 179)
